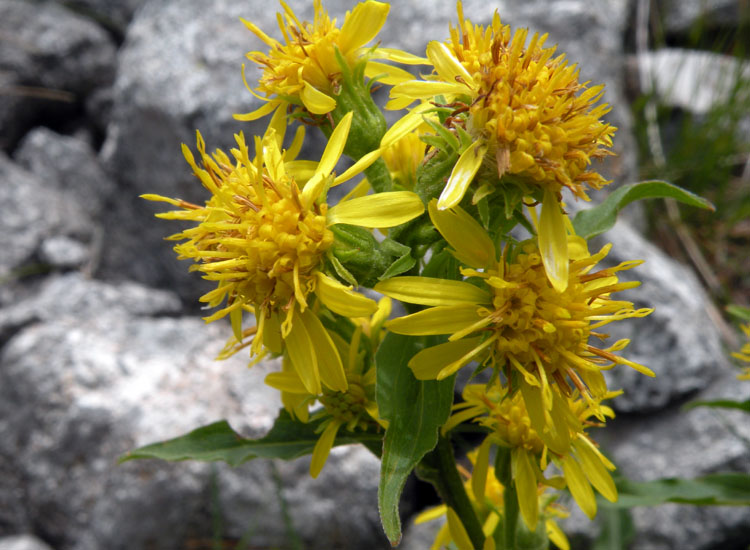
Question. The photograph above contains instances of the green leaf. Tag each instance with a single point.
(731, 489)
(287, 439)
(415, 411)
(740, 312)
(720, 404)
(597, 220)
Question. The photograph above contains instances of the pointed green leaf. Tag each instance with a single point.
(415, 411)
(720, 404)
(730, 489)
(600, 218)
(287, 439)
(742, 313)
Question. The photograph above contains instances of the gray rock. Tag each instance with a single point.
(677, 341)
(696, 81)
(31, 211)
(22, 542)
(680, 16)
(63, 252)
(687, 444)
(70, 166)
(50, 59)
(114, 16)
(94, 374)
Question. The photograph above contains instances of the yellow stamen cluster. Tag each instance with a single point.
(529, 106)
(545, 333)
(508, 418)
(254, 236)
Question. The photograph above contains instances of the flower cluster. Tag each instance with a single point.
(502, 125)
(744, 354)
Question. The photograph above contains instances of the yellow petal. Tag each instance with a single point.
(358, 167)
(404, 125)
(399, 56)
(429, 291)
(435, 320)
(553, 242)
(471, 242)
(323, 447)
(427, 364)
(285, 381)
(387, 74)
(463, 173)
(277, 126)
(362, 24)
(526, 487)
(430, 514)
(303, 357)
(335, 145)
(458, 532)
(379, 210)
(595, 469)
(330, 367)
(259, 112)
(556, 535)
(420, 89)
(447, 66)
(479, 474)
(316, 101)
(579, 486)
(341, 299)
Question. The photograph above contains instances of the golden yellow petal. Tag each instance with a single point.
(358, 167)
(323, 447)
(285, 381)
(526, 487)
(595, 469)
(553, 242)
(303, 357)
(435, 320)
(330, 367)
(462, 175)
(316, 101)
(404, 125)
(362, 25)
(387, 74)
(429, 291)
(579, 486)
(420, 89)
(430, 514)
(458, 532)
(471, 242)
(399, 56)
(260, 112)
(448, 68)
(341, 299)
(479, 474)
(379, 210)
(556, 535)
(427, 364)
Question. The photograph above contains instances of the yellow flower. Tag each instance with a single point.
(510, 425)
(263, 239)
(529, 115)
(304, 70)
(403, 158)
(509, 316)
(744, 354)
(486, 494)
(353, 408)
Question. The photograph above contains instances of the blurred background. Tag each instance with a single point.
(101, 343)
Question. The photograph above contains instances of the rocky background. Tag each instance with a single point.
(101, 349)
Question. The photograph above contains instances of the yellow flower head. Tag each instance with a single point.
(511, 317)
(262, 236)
(744, 354)
(529, 115)
(509, 423)
(486, 494)
(304, 70)
(354, 408)
(403, 158)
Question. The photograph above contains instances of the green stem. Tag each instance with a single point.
(379, 176)
(504, 474)
(439, 468)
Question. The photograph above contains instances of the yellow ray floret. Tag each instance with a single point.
(508, 315)
(525, 108)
